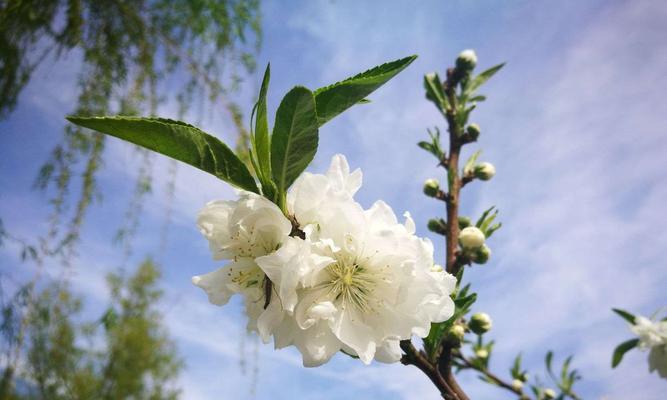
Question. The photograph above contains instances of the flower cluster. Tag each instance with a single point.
(653, 335)
(331, 276)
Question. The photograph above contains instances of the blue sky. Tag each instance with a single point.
(575, 125)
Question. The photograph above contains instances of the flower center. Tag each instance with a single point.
(246, 243)
(246, 276)
(351, 284)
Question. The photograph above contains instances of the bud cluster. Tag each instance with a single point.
(472, 240)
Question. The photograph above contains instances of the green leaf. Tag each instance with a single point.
(482, 218)
(261, 140)
(547, 360)
(564, 369)
(334, 99)
(487, 222)
(470, 164)
(621, 349)
(492, 229)
(625, 315)
(484, 76)
(478, 98)
(516, 367)
(295, 137)
(177, 140)
(435, 91)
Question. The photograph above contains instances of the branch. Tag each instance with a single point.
(414, 357)
(454, 182)
(492, 377)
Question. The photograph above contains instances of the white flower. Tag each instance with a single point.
(653, 335)
(251, 226)
(471, 237)
(650, 333)
(308, 196)
(517, 384)
(241, 230)
(368, 282)
(549, 394)
(359, 282)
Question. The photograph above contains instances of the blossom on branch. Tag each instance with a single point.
(359, 281)
(653, 335)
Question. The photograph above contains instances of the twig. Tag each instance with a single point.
(468, 364)
(414, 357)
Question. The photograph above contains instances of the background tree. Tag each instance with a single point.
(129, 49)
(126, 353)
(131, 54)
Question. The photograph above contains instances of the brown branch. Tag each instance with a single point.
(442, 196)
(466, 180)
(445, 368)
(488, 374)
(414, 357)
(444, 365)
(453, 174)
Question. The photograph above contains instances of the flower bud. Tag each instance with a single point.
(480, 323)
(517, 384)
(431, 187)
(549, 394)
(482, 353)
(456, 333)
(471, 238)
(481, 255)
(464, 222)
(437, 226)
(473, 131)
(467, 60)
(484, 171)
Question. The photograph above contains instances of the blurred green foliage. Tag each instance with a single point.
(124, 354)
(132, 55)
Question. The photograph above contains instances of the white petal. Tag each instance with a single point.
(305, 197)
(214, 284)
(270, 320)
(339, 175)
(381, 216)
(248, 227)
(389, 352)
(318, 345)
(287, 267)
(409, 223)
(240, 276)
(350, 329)
(657, 360)
(302, 313)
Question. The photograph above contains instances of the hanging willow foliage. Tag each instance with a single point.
(128, 49)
